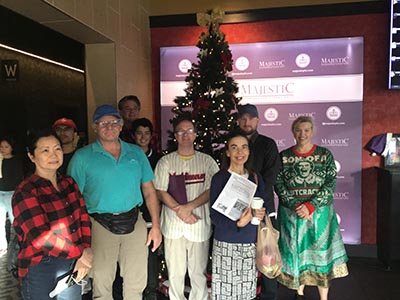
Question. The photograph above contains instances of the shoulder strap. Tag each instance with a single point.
(255, 177)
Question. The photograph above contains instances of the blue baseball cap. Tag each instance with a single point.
(105, 110)
(247, 109)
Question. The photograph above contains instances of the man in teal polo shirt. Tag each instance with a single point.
(112, 176)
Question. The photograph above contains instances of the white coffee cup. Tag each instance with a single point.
(256, 203)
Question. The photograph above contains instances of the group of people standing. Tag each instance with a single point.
(106, 211)
(304, 177)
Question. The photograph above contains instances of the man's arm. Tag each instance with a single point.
(167, 199)
(270, 170)
(185, 214)
(272, 163)
(187, 209)
(150, 196)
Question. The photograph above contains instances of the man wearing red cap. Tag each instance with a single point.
(66, 131)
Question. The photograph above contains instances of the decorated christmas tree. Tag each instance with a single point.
(210, 93)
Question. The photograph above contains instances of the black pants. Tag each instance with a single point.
(269, 288)
(152, 273)
(117, 286)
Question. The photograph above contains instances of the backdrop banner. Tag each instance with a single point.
(319, 78)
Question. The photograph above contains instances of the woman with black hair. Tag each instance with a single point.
(51, 223)
(234, 273)
(11, 174)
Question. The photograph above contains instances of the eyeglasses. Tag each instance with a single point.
(182, 132)
(105, 124)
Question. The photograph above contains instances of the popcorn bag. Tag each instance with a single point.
(268, 256)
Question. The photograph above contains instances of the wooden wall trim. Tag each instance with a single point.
(281, 13)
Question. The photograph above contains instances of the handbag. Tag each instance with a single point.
(12, 256)
(268, 256)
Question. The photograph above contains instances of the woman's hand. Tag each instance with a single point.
(245, 218)
(83, 264)
(259, 213)
(302, 212)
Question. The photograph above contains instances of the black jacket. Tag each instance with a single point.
(267, 162)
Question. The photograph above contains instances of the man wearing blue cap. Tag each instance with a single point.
(112, 176)
(267, 162)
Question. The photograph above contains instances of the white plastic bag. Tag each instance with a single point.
(268, 256)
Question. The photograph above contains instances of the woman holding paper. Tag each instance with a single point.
(234, 273)
(51, 223)
(311, 244)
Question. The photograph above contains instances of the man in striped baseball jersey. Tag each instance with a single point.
(185, 217)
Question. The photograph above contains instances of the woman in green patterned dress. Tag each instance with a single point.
(311, 244)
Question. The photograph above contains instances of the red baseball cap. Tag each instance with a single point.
(65, 122)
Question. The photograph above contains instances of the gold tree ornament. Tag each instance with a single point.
(203, 19)
(217, 16)
(214, 17)
(203, 52)
(219, 91)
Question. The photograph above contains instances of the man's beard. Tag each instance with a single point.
(249, 132)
